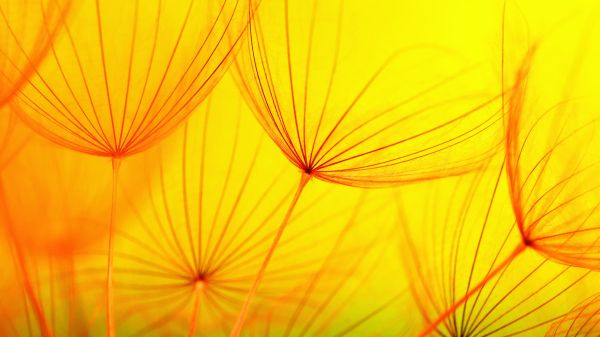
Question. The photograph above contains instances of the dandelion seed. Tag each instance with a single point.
(200, 226)
(467, 281)
(124, 74)
(552, 165)
(551, 162)
(355, 116)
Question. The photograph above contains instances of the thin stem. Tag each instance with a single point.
(237, 328)
(433, 325)
(110, 320)
(22, 266)
(197, 295)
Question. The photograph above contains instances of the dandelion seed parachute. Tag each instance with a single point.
(552, 143)
(468, 248)
(124, 74)
(201, 220)
(551, 146)
(346, 105)
(27, 31)
(551, 131)
(349, 106)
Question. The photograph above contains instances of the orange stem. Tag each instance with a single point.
(110, 319)
(198, 294)
(237, 328)
(433, 325)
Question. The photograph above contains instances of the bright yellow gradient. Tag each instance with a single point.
(453, 144)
